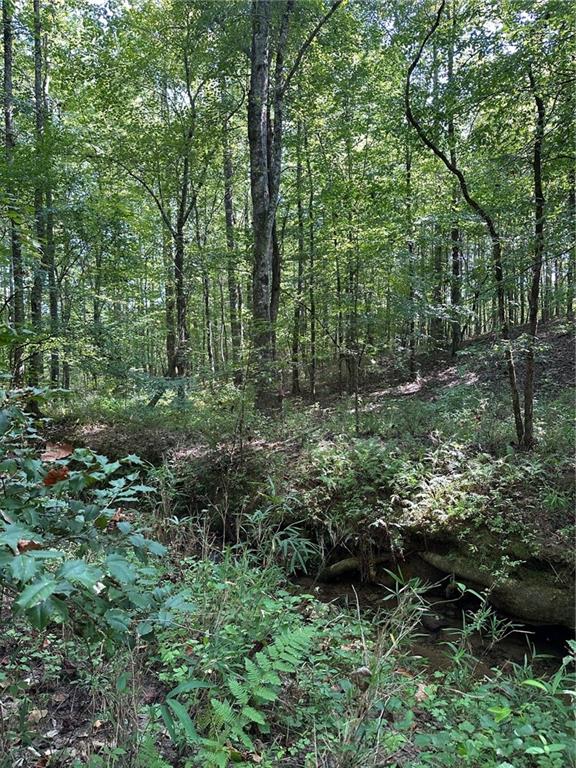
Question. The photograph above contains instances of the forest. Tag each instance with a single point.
(287, 296)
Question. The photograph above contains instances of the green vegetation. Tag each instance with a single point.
(286, 384)
(214, 659)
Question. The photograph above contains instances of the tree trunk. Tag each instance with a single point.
(15, 239)
(437, 324)
(455, 281)
(533, 296)
(208, 330)
(35, 372)
(234, 290)
(170, 303)
(262, 215)
(181, 352)
(572, 251)
(52, 289)
(300, 276)
(411, 277)
(312, 270)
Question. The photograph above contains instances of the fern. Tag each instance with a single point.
(240, 692)
(225, 715)
(259, 686)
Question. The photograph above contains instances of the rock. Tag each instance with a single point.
(434, 623)
(533, 593)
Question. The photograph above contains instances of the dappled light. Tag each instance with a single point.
(287, 365)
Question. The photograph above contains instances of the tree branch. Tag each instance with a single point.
(308, 42)
(415, 123)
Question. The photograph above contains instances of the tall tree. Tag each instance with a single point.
(17, 298)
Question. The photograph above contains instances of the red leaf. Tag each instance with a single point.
(56, 475)
(25, 545)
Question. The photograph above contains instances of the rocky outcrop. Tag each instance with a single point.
(536, 592)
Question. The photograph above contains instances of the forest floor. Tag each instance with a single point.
(251, 516)
(450, 424)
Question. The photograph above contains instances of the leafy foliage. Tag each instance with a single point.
(70, 550)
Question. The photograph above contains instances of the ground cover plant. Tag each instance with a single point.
(287, 383)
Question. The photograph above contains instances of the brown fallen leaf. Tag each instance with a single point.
(25, 545)
(60, 696)
(421, 694)
(36, 715)
(55, 451)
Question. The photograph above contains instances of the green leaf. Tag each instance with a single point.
(253, 715)
(133, 459)
(144, 628)
(118, 619)
(184, 719)
(189, 685)
(40, 615)
(535, 684)
(23, 568)
(500, 714)
(154, 547)
(80, 572)
(168, 721)
(267, 694)
(124, 527)
(120, 569)
(223, 711)
(37, 592)
(237, 690)
(14, 532)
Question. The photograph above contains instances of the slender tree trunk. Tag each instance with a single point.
(265, 149)
(572, 251)
(15, 239)
(262, 204)
(311, 270)
(533, 296)
(52, 289)
(411, 276)
(456, 279)
(170, 303)
(223, 330)
(340, 334)
(208, 330)
(234, 289)
(35, 372)
(300, 275)
(181, 353)
(436, 325)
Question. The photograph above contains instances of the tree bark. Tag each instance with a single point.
(17, 302)
(455, 281)
(311, 270)
(234, 289)
(52, 289)
(40, 271)
(170, 303)
(572, 251)
(533, 296)
(262, 217)
(300, 274)
(265, 139)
